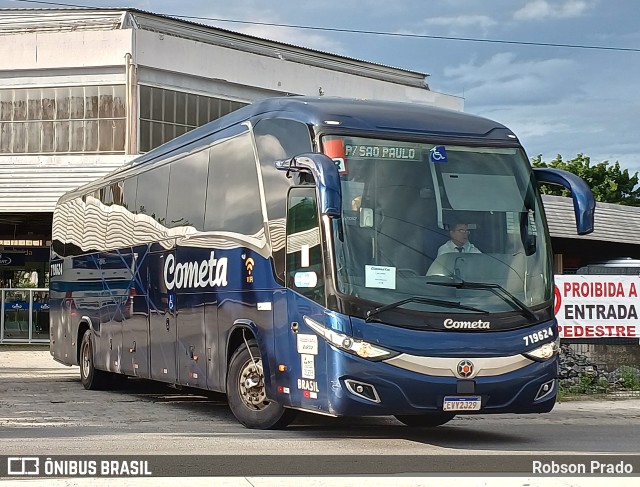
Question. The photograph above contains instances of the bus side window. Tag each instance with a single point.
(151, 194)
(278, 139)
(233, 197)
(188, 191)
(305, 272)
(129, 194)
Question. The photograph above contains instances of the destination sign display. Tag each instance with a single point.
(382, 152)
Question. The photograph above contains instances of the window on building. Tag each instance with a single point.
(166, 114)
(82, 119)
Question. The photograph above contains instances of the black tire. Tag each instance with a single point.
(249, 404)
(425, 420)
(92, 378)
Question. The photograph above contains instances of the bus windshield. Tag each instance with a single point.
(439, 228)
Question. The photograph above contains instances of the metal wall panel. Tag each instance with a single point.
(609, 219)
(34, 183)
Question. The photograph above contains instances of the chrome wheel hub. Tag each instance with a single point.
(251, 383)
(86, 361)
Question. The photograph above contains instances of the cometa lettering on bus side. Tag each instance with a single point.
(211, 272)
(480, 325)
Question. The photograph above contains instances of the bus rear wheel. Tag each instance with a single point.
(425, 420)
(246, 393)
(92, 378)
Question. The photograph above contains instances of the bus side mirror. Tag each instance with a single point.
(584, 204)
(325, 173)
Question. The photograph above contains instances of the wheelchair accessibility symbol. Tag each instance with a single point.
(438, 154)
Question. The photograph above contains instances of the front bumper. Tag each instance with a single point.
(531, 388)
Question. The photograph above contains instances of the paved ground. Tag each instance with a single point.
(43, 406)
(22, 404)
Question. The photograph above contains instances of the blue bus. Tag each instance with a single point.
(293, 255)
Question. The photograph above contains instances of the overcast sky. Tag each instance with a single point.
(558, 100)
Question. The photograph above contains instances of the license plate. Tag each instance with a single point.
(461, 403)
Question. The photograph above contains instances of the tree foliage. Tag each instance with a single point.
(608, 182)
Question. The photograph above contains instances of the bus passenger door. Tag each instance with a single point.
(162, 320)
(305, 356)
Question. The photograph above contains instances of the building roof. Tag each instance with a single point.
(19, 21)
(609, 219)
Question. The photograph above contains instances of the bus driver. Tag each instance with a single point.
(459, 235)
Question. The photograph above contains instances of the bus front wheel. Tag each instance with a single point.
(92, 378)
(425, 420)
(246, 392)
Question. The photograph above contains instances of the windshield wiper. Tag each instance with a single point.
(496, 289)
(419, 299)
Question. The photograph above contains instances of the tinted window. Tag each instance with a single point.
(188, 191)
(117, 190)
(151, 197)
(68, 226)
(95, 224)
(304, 254)
(105, 195)
(278, 139)
(129, 194)
(233, 196)
(58, 230)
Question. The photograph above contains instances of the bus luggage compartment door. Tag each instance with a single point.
(162, 321)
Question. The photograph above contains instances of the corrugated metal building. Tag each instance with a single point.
(82, 91)
(616, 228)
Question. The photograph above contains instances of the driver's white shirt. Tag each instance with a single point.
(467, 248)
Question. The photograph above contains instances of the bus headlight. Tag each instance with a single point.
(544, 352)
(343, 342)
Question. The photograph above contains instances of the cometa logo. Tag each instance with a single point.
(249, 265)
(211, 272)
(465, 368)
(472, 325)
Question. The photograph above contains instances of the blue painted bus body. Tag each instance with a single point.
(170, 299)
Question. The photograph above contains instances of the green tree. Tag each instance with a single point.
(608, 182)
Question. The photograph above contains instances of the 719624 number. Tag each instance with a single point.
(538, 336)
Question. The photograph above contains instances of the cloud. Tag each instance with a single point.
(463, 21)
(295, 37)
(590, 125)
(555, 106)
(543, 9)
(506, 79)
(254, 11)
